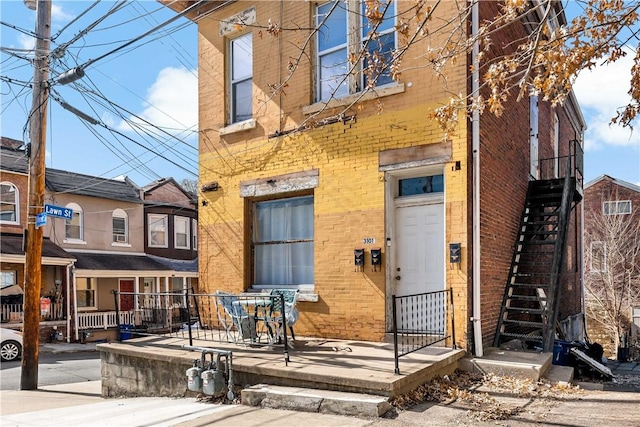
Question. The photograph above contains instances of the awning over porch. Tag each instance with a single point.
(118, 263)
(11, 248)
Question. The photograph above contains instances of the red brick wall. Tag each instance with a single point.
(504, 169)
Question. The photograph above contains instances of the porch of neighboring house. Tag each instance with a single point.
(54, 292)
(101, 311)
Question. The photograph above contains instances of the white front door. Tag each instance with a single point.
(420, 265)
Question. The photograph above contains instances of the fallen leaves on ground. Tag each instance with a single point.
(477, 391)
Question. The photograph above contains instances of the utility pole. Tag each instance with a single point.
(33, 238)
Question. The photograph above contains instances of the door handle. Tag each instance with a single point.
(397, 277)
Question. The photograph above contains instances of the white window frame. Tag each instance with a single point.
(91, 287)
(594, 247)
(12, 274)
(617, 207)
(16, 204)
(186, 223)
(152, 219)
(236, 80)
(120, 239)
(354, 41)
(78, 214)
(194, 234)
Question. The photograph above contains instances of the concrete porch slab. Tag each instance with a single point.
(517, 364)
(562, 375)
(156, 366)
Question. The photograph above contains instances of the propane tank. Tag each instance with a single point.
(194, 382)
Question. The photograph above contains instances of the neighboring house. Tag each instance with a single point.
(171, 230)
(102, 248)
(612, 261)
(288, 207)
(56, 263)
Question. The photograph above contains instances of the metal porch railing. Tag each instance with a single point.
(420, 320)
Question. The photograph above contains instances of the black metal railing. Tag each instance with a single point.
(559, 167)
(246, 319)
(420, 320)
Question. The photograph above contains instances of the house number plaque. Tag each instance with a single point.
(369, 240)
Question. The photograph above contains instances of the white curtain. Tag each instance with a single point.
(283, 237)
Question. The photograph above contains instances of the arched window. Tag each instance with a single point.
(9, 203)
(74, 229)
(120, 226)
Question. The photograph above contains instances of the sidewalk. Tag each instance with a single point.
(64, 347)
(80, 404)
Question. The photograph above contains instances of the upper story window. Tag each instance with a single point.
(157, 226)
(241, 72)
(9, 203)
(194, 234)
(74, 228)
(120, 226)
(622, 207)
(338, 47)
(181, 232)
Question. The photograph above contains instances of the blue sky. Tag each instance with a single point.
(156, 80)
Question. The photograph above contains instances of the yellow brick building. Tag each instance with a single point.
(366, 168)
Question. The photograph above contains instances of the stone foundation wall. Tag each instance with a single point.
(131, 375)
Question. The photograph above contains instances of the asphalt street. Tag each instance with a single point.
(54, 368)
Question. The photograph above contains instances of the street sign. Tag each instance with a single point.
(41, 220)
(58, 211)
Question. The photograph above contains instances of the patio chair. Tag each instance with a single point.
(240, 319)
(290, 311)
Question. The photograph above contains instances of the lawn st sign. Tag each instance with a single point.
(51, 210)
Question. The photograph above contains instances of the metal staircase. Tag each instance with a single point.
(530, 303)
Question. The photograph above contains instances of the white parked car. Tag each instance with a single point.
(11, 347)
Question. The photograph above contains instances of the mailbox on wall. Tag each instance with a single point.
(358, 255)
(454, 253)
(376, 258)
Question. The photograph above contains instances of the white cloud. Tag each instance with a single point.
(26, 42)
(57, 14)
(600, 92)
(172, 101)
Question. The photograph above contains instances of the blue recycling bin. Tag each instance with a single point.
(561, 352)
(125, 332)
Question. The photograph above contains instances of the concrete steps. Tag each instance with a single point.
(320, 401)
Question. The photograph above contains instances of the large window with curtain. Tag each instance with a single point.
(283, 242)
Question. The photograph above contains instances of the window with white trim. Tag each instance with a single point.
(85, 293)
(617, 207)
(181, 232)
(157, 226)
(8, 278)
(120, 226)
(241, 72)
(194, 234)
(338, 49)
(9, 203)
(283, 242)
(74, 228)
(598, 257)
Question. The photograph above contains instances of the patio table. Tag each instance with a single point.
(261, 313)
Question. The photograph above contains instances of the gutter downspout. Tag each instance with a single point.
(475, 136)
